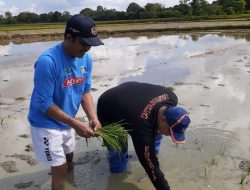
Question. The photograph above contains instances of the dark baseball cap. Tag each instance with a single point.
(178, 120)
(85, 28)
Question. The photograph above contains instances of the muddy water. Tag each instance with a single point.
(210, 73)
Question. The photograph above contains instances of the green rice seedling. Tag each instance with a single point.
(242, 179)
(114, 136)
(214, 161)
(200, 147)
(222, 151)
(205, 171)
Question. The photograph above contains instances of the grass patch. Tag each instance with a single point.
(214, 161)
(242, 178)
(33, 26)
(200, 147)
(222, 151)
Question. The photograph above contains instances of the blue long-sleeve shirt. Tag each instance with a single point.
(61, 80)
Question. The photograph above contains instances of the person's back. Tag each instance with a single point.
(126, 102)
(147, 111)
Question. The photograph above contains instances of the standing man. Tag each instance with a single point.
(62, 81)
(147, 111)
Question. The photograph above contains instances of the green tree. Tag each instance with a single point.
(33, 17)
(235, 6)
(239, 6)
(110, 14)
(99, 8)
(247, 4)
(50, 16)
(8, 18)
(214, 9)
(65, 16)
(121, 15)
(230, 10)
(88, 12)
(199, 7)
(133, 10)
(1, 19)
(100, 13)
(27, 17)
(154, 9)
(184, 8)
(44, 17)
(171, 12)
(8, 15)
(56, 16)
(22, 17)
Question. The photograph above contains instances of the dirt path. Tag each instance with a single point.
(25, 36)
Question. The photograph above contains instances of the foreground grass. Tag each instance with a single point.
(33, 26)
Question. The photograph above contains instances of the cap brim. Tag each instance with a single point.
(178, 138)
(94, 41)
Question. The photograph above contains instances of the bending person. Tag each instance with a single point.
(147, 111)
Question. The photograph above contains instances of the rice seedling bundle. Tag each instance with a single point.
(114, 136)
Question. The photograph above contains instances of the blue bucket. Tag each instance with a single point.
(117, 161)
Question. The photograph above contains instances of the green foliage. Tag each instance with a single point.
(153, 9)
(242, 178)
(88, 12)
(222, 151)
(214, 161)
(27, 17)
(134, 11)
(239, 6)
(8, 15)
(233, 6)
(114, 136)
(247, 4)
(230, 11)
(133, 8)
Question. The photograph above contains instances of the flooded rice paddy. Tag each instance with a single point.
(210, 73)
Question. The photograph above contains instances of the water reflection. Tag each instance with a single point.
(5, 50)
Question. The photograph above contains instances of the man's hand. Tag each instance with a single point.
(82, 129)
(95, 124)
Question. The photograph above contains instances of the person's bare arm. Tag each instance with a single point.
(88, 107)
(81, 128)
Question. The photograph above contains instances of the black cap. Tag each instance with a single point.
(85, 28)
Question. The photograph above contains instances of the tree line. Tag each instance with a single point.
(185, 8)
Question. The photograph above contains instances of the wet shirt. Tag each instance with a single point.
(61, 80)
(136, 105)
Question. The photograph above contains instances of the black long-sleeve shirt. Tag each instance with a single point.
(137, 105)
